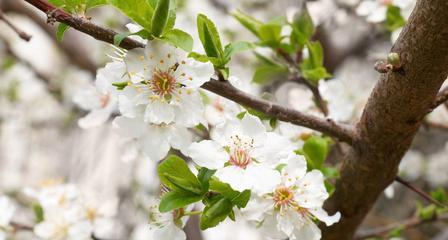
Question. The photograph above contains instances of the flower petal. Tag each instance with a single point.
(208, 154)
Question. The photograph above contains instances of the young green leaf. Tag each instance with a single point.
(38, 213)
(240, 199)
(160, 17)
(316, 150)
(302, 28)
(175, 200)
(394, 19)
(215, 213)
(209, 36)
(249, 22)
(175, 174)
(236, 47)
(138, 10)
(179, 39)
(312, 67)
(204, 176)
(62, 28)
(270, 34)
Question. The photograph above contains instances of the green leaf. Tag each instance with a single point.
(394, 19)
(209, 36)
(160, 17)
(440, 195)
(236, 47)
(120, 85)
(60, 32)
(204, 176)
(312, 67)
(215, 213)
(302, 28)
(175, 174)
(175, 200)
(179, 39)
(249, 22)
(315, 74)
(266, 74)
(38, 213)
(138, 10)
(270, 34)
(426, 213)
(198, 57)
(240, 199)
(316, 150)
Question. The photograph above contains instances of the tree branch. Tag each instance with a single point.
(392, 117)
(420, 192)
(23, 35)
(222, 88)
(406, 224)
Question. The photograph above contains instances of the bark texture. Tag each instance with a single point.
(393, 114)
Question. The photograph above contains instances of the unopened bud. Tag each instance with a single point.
(394, 59)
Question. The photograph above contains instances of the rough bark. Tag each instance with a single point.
(392, 116)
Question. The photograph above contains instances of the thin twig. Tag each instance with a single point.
(441, 98)
(222, 88)
(23, 35)
(420, 192)
(406, 224)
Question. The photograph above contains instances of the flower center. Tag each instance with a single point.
(240, 158)
(239, 151)
(283, 197)
(163, 83)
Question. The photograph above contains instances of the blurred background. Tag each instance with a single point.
(40, 139)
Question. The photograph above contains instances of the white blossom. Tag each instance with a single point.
(7, 209)
(288, 210)
(166, 83)
(101, 99)
(244, 154)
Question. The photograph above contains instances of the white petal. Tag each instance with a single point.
(208, 154)
(80, 231)
(88, 98)
(252, 126)
(191, 109)
(378, 15)
(162, 55)
(137, 65)
(169, 232)
(294, 170)
(95, 118)
(194, 74)
(159, 112)
(155, 143)
(236, 177)
(271, 148)
(323, 216)
(264, 179)
(365, 8)
(181, 138)
(311, 190)
(309, 231)
(129, 127)
(45, 230)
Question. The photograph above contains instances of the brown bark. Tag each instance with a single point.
(393, 114)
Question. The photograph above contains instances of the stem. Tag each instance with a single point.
(420, 192)
(192, 213)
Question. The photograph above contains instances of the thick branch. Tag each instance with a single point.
(327, 126)
(225, 89)
(393, 115)
(406, 224)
